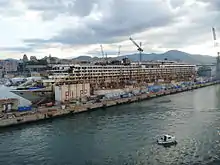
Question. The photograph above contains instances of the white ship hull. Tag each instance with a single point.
(34, 95)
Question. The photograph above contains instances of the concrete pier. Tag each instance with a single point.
(16, 118)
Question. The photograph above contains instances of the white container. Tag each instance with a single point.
(9, 107)
(4, 107)
(68, 92)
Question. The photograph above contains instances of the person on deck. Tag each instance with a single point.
(165, 138)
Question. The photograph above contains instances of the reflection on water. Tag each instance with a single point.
(124, 134)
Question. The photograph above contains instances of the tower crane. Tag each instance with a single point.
(215, 38)
(138, 48)
(218, 53)
(104, 55)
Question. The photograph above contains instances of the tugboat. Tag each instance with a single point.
(167, 140)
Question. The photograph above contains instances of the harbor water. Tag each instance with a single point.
(124, 134)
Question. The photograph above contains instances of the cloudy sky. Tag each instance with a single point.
(69, 28)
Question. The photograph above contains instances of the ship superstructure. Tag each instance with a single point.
(122, 73)
(110, 75)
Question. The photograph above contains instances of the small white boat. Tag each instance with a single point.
(167, 140)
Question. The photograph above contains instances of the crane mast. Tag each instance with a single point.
(102, 52)
(119, 50)
(140, 51)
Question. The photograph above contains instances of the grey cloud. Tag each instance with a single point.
(17, 49)
(176, 3)
(30, 47)
(213, 4)
(122, 18)
(4, 2)
(128, 17)
(34, 42)
(119, 20)
(196, 30)
(7, 8)
(52, 8)
(181, 36)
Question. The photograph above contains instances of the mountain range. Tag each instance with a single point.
(173, 55)
(169, 55)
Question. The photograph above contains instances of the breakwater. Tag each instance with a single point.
(43, 113)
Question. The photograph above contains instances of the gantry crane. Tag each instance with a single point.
(104, 55)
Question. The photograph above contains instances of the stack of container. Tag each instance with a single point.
(135, 92)
(143, 91)
(127, 95)
(113, 95)
(154, 88)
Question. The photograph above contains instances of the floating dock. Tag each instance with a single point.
(43, 113)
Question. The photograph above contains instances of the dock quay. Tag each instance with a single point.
(43, 113)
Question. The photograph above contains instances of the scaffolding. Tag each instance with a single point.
(131, 76)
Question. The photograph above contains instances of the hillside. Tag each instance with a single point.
(170, 55)
(174, 55)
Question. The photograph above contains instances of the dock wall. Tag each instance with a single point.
(56, 111)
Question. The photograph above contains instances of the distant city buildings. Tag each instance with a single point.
(52, 60)
(1, 71)
(25, 58)
(9, 65)
(33, 58)
(29, 66)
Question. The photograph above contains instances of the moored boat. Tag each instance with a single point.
(167, 140)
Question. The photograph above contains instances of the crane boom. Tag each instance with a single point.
(214, 34)
(139, 47)
(214, 38)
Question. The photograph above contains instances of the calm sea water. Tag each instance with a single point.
(123, 135)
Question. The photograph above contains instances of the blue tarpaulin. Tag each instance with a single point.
(24, 108)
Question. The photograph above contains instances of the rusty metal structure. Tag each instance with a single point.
(118, 76)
